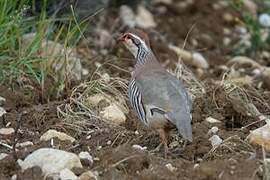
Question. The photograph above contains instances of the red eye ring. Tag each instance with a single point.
(124, 37)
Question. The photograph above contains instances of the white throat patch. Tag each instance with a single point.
(132, 47)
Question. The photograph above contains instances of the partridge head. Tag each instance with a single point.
(158, 97)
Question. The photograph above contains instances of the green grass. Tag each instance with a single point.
(253, 27)
(18, 60)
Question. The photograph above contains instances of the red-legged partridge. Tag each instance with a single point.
(158, 97)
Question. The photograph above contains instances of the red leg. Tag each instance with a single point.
(164, 139)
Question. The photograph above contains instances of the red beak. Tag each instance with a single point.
(121, 38)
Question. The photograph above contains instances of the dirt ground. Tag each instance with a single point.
(235, 159)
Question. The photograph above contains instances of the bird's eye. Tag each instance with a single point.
(136, 42)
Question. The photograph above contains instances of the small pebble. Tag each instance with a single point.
(3, 155)
(170, 167)
(212, 120)
(109, 142)
(2, 111)
(136, 146)
(99, 147)
(264, 20)
(215, 140)
(213, 130)
(24, 144)
(84, 155)
(196, 165)
(6, 131)
(14, 177)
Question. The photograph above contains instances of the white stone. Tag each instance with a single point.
(226, 41)
(6, 131)
(89, 175)
(24, 144)
(264, 20)
(144, 18)
(2, 111)
(260, 136)
(127, 16)
(85, 72)
(86, 156)
(2, 100)
(196, 165)
(215, 140)
(51, 133)
(241, 30)
(200, 61)
(170, 167)
(136, 146)
(109, 142)
(67, 174)
(3, 155)
(212, 120)
(114, 114)
(13, 177)
(51, 161)
(213, 130)
(251, 6)
(194, 59)
(256, 72)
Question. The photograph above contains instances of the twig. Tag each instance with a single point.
(6, 145)
(123, 160)
(15, 140)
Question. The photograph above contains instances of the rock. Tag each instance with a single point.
(63, 62)
(226, 41)
(85, 156)
(199, 61)
(85, 72)
(6, 131)
(250, 6)
(2, 101)
(228, 17)
(110, 109)
(166, 2)
(2, 111)
(51, 133)
(67, 174)
(24, 144)
(144, 18)
(114, 114)
(170, 167)
(212, 120)
(213, 130)
(3, 155)
(127, 16)
(243, 61)
(136, 146)
(215, 140)
(266, 76)
(51, 161)
(89, 175)
(260, 136)
(13, 177)
(195, 59)
(264, 20)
